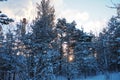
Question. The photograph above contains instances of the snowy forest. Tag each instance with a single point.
(53, 49)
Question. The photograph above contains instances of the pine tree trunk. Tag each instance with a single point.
(14, 75)
(7, 75)
(4, 75)
(107, 76)
(68, 78)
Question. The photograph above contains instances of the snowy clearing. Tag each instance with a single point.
(113, 76)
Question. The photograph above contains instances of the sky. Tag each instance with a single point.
(92, 15)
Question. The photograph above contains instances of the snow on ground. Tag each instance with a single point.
(113, 76)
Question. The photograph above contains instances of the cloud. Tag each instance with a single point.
(59, 5)
(95, 26)
(27, 8)
(60, 2)
(75, 15)
(17, 9)
(83, 19)
(71, 15)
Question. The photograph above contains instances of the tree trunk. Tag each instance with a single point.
(14, 75)
(68, 78)
(107, 76)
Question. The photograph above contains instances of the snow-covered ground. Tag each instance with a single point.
(113, 76)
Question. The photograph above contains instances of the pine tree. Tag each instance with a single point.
(85, 54)
(6, 51)
(68, 40)
(64, 42)
(42, 56)
(4, 19)
(114, 35)
(108, 47)
(3, 0)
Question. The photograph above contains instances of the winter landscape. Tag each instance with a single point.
(45, 46)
